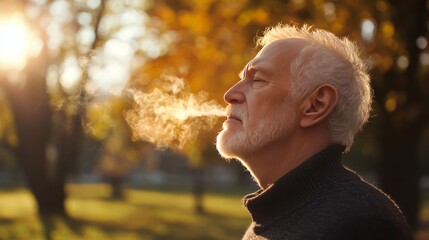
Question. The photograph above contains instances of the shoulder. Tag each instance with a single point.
(358, 196)
(361, 211)
(369, 228)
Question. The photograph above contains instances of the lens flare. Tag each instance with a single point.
(170, 116)
(14, 40)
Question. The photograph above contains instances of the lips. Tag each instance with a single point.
(233, 117)
(235, 114)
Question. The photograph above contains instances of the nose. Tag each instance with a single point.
(234, 95)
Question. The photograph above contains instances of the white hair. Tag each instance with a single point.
(329, 60)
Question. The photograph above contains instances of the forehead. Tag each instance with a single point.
(277, 56)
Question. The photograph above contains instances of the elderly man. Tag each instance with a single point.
(296, 109)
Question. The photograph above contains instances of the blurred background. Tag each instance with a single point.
(68, 166)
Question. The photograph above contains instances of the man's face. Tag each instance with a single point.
(260, 112)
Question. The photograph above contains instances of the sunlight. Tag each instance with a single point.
(14, 41)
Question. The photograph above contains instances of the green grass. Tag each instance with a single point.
(144, 214)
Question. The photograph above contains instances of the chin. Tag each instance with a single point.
(230, 145)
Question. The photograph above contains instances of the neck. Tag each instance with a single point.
(277, 159)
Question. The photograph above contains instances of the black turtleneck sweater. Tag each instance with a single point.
(321, 199)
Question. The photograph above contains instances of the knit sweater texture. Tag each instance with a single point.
(322, 199)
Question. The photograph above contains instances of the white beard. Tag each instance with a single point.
(241, 142)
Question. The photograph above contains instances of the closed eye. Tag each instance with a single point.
(262, 82)
(258, 80)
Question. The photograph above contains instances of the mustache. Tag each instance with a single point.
(237, 113)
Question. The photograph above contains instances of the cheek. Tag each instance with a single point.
(264, 102)
(264, 106)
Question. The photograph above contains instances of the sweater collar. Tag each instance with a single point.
(296, 187)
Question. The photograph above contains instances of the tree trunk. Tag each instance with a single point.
(44, 180)
(400, 130)
(399, 166)
(51, 202)
(30, 104)
(117, 186)
(199, 189)
(41, 171)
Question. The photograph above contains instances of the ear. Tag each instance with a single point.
(318, 105)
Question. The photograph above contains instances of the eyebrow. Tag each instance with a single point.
(254, 68)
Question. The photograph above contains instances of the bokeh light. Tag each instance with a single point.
(14, 43)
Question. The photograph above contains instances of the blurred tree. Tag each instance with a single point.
(118, 154)
(84, 54)
(200, 154)
(47, 139)
(208, 42)
(203, 42)
(402, 94)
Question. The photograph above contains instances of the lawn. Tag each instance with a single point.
(144, 214)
